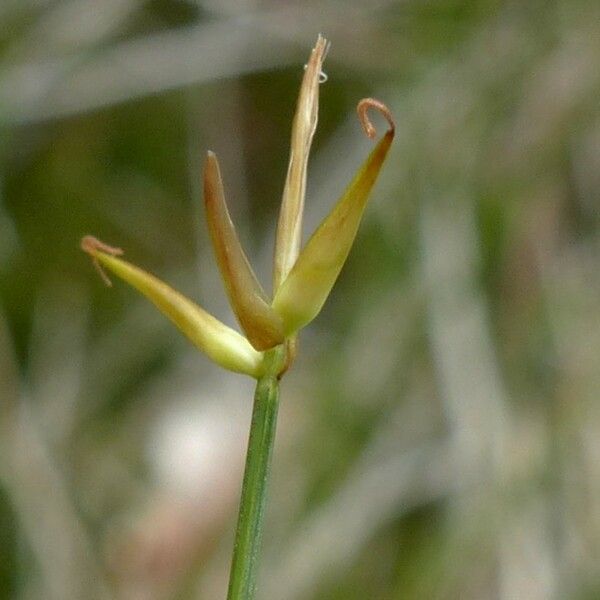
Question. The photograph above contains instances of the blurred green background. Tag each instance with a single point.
(439, 433)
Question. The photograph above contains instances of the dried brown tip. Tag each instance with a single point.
(322, 46)
(92, 245)
(319, 53)
(363, 108)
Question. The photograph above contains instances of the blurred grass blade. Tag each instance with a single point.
(261, 324)
(304, 291)
(221, 343)
(289, 226)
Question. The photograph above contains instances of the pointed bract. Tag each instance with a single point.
(301, 296)
(289, 227)
(221, 343)
(261, 324)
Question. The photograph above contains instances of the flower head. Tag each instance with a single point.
(302, 279)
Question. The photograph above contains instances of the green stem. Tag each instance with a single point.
(242, 582)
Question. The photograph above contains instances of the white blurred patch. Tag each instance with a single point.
(196, 446)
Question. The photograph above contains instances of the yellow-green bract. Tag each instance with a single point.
(261, 324)
(222, 344)
(304, 291)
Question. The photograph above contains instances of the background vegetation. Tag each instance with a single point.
(440, 431)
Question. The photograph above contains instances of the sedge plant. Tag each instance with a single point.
(302, 280)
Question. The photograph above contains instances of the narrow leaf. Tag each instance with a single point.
(289, 227)
(304, 291)
(261, 324)
(221, 343)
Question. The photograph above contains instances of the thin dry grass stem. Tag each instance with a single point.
(91, 245)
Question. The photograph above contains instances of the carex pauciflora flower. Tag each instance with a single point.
(302, 277)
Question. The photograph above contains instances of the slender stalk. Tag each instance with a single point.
(242, 582)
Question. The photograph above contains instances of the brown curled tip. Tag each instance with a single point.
(363, 108)
(91, 245)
